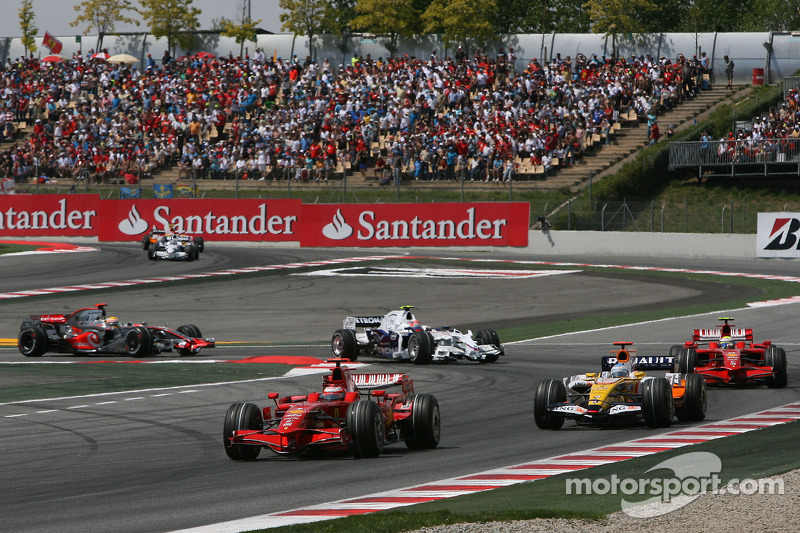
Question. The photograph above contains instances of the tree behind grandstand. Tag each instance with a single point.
(26, 24)
(385, 17)
(174, 19)
(306, 17)
(242, 28)
(103, 16)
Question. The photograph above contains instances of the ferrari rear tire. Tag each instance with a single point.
(138, 342)
(238, 417)
(423, 428)
(695, 399)
(420, 347)
(191, 253)
(146, 242)
(344, 344)
(548, 392)
(366, 428)
(675, 350)
(32, 342)
(776, 358)
(200, 244)
(190, 330)
(686, 361)
(657, 403)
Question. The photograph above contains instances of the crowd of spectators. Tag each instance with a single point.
(771, 137)
(463, 117)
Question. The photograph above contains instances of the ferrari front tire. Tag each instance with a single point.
(138, 342)
(344, 344)
(420, 347)
(776, 358)
(657, 403)
(695, 399)
(423, 428)
(238, 417)
(687, 361)
(548, 392)
(366, 429)
(32, 342)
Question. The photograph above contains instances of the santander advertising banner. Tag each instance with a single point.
(459, 224)
(33, 215)
(214, 219)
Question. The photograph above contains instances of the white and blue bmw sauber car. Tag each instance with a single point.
(399, 335)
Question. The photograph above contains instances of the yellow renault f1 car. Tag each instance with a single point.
(621, 394)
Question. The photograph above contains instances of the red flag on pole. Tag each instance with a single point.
(52, 43)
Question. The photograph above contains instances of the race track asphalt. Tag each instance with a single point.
(153, 460)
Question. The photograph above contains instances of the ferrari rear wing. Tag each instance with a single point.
(353, 322)
(715, 334)
(642, 362)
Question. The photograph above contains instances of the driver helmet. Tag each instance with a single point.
(333, 393)
(112, 321)
(726, 342)
(619, 371)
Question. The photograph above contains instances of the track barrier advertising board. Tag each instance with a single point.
(284, 220)
(778, 235)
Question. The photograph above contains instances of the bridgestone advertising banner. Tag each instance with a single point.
(329, 225)
(49, 215)
(467, 224)
(778, 235)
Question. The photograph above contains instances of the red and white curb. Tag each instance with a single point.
(512, 475)
(48, 248)
(181, 277)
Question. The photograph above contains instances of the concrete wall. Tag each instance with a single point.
(615, 244)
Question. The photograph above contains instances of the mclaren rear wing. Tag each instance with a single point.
(642, 362)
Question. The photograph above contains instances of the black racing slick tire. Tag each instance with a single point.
(146, 242)
(138, 342)
(238, 417)
(191, 252)
(695, 399)
(344, 344)
(190, 330)
(151, 253)
(675, 350)
(488, 337)
(366, 429)
(776, 358)
(686, 361)
(657, 403)
(200, 244)
(420, 347)
(422, 430)
(32, 342)
(548, 392)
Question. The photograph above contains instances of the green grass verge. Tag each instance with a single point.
(30, 381)
(753, 455)
(14, 248)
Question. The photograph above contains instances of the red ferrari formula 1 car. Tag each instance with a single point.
(354, 413)
(727, 355)
(90, 331)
